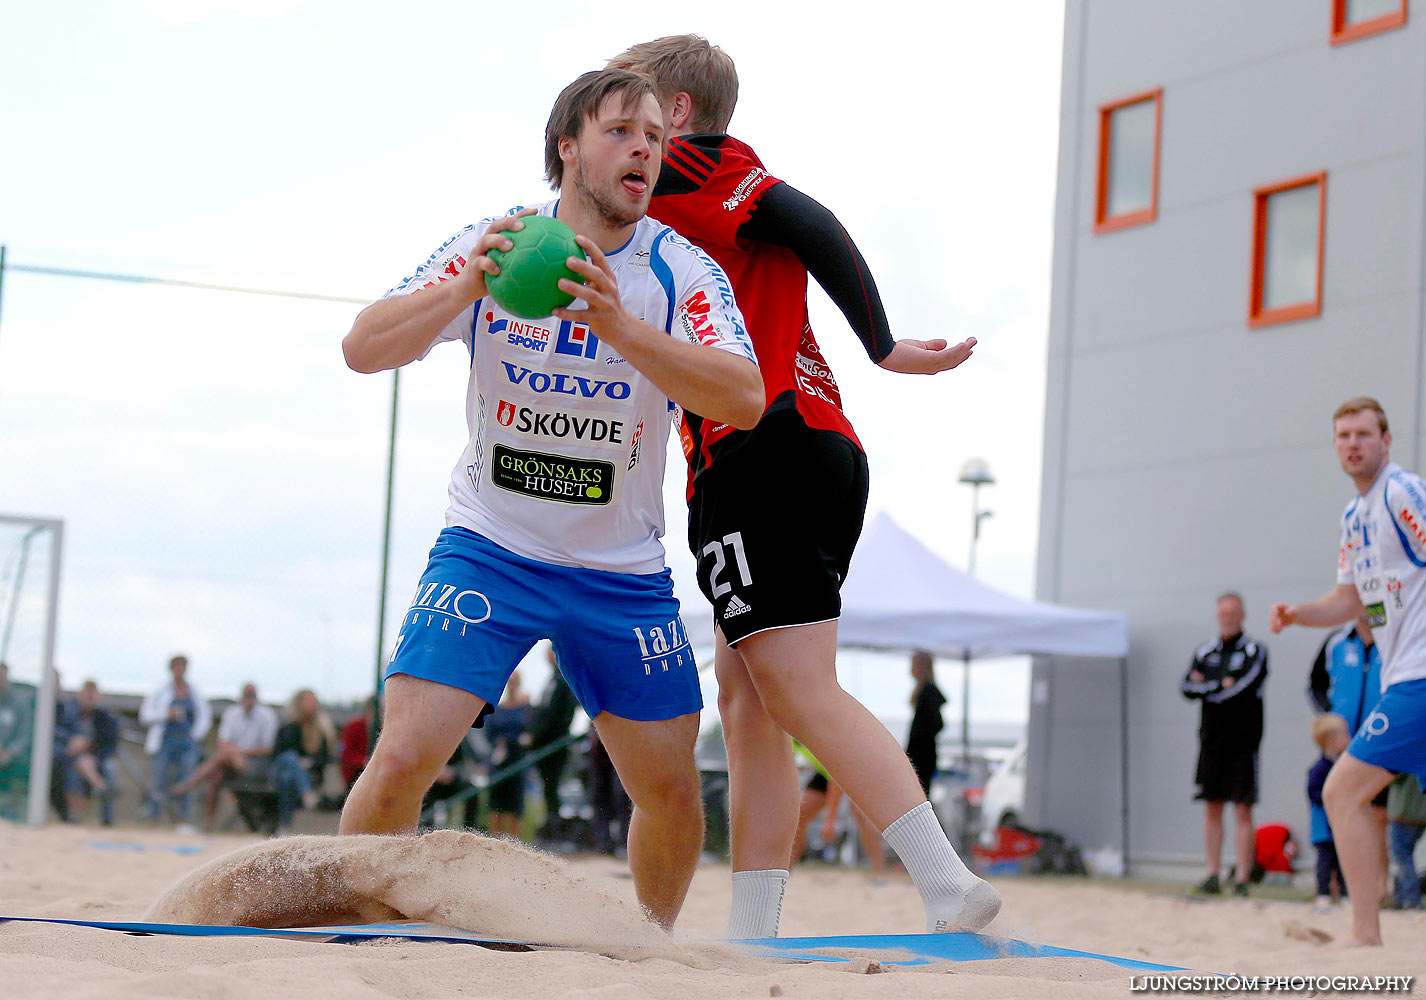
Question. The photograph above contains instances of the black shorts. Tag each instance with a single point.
(1227, 776)
(817, 783)
(773, 525)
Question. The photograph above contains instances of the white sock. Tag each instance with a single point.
(956, 899)
(757, 903)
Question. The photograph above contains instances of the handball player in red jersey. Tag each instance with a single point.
(775, 512)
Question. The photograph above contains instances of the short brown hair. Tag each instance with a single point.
(688, 64)
(1230, 595)
(1357, 405)
(581, 100)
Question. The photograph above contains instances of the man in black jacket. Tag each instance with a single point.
(86, 744)
(1227, 678)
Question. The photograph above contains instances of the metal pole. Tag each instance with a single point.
(965, 667)
(965, 713)
(1124, 762)
(974, 526)
(42, 750)
(15, 591)
(386, 541)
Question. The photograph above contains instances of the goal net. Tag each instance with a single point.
(29, 597)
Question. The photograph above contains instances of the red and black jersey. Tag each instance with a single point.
(714, 191)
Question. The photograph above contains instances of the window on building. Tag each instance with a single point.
(1352, 19)
(1129, 161)
(1288, 226)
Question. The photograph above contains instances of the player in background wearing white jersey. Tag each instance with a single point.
(528, 554)
(1382, 570)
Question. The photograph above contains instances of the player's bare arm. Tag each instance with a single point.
(1338, 606)
(714, 384)
(393, 332)
(926, 357)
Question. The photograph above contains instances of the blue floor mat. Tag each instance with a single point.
(923, 948)
(930, 947)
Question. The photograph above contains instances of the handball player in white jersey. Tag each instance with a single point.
(1381, 570)
(556, 506)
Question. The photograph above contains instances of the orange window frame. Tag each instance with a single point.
(1257, 315)
(1103, 222)
(1344, 32)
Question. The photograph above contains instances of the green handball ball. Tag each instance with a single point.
(528, 283)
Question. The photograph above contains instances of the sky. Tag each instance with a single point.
(220, 472)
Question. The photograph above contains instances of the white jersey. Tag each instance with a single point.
(1383, 552)
(565, 462)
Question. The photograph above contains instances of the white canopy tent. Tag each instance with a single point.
(900, 595)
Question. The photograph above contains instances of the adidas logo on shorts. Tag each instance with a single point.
(735, 607)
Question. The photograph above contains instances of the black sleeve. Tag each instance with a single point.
(289, 737)
(106, 735)
(1320, 682)
(786, 217)
(1247, 680)
(1196, 689)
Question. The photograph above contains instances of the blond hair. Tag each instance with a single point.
(1325, 726)
(688, 64)
(1356, 405)
(318, 728)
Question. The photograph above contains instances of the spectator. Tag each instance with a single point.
(609, 803)
(452, 781)
(926, 722)
(356, 741)
(301, 753)
(1406, 813)
(178, 718)
(1331, 734)
(86, 748)
(549, 724)
(508, 729)
(17, 709)
(1346, 681)
(1346, 676)
(1227, 678)
(821, 793)
(246, 735)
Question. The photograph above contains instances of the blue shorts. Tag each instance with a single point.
(1394, 734)
(618, 638)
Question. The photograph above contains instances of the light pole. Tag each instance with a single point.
(975, 474)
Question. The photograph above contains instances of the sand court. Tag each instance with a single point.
(586, 907)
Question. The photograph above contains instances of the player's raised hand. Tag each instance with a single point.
(604, 310)
(1281, 616)
(926, 357)
(480, 263)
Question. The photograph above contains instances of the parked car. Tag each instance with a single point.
(1003, 800)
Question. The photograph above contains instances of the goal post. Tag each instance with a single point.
(40, 656)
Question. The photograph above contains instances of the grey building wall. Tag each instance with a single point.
(1185, 453)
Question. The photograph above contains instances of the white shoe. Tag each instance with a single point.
(188, 829)
(1324, 904)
